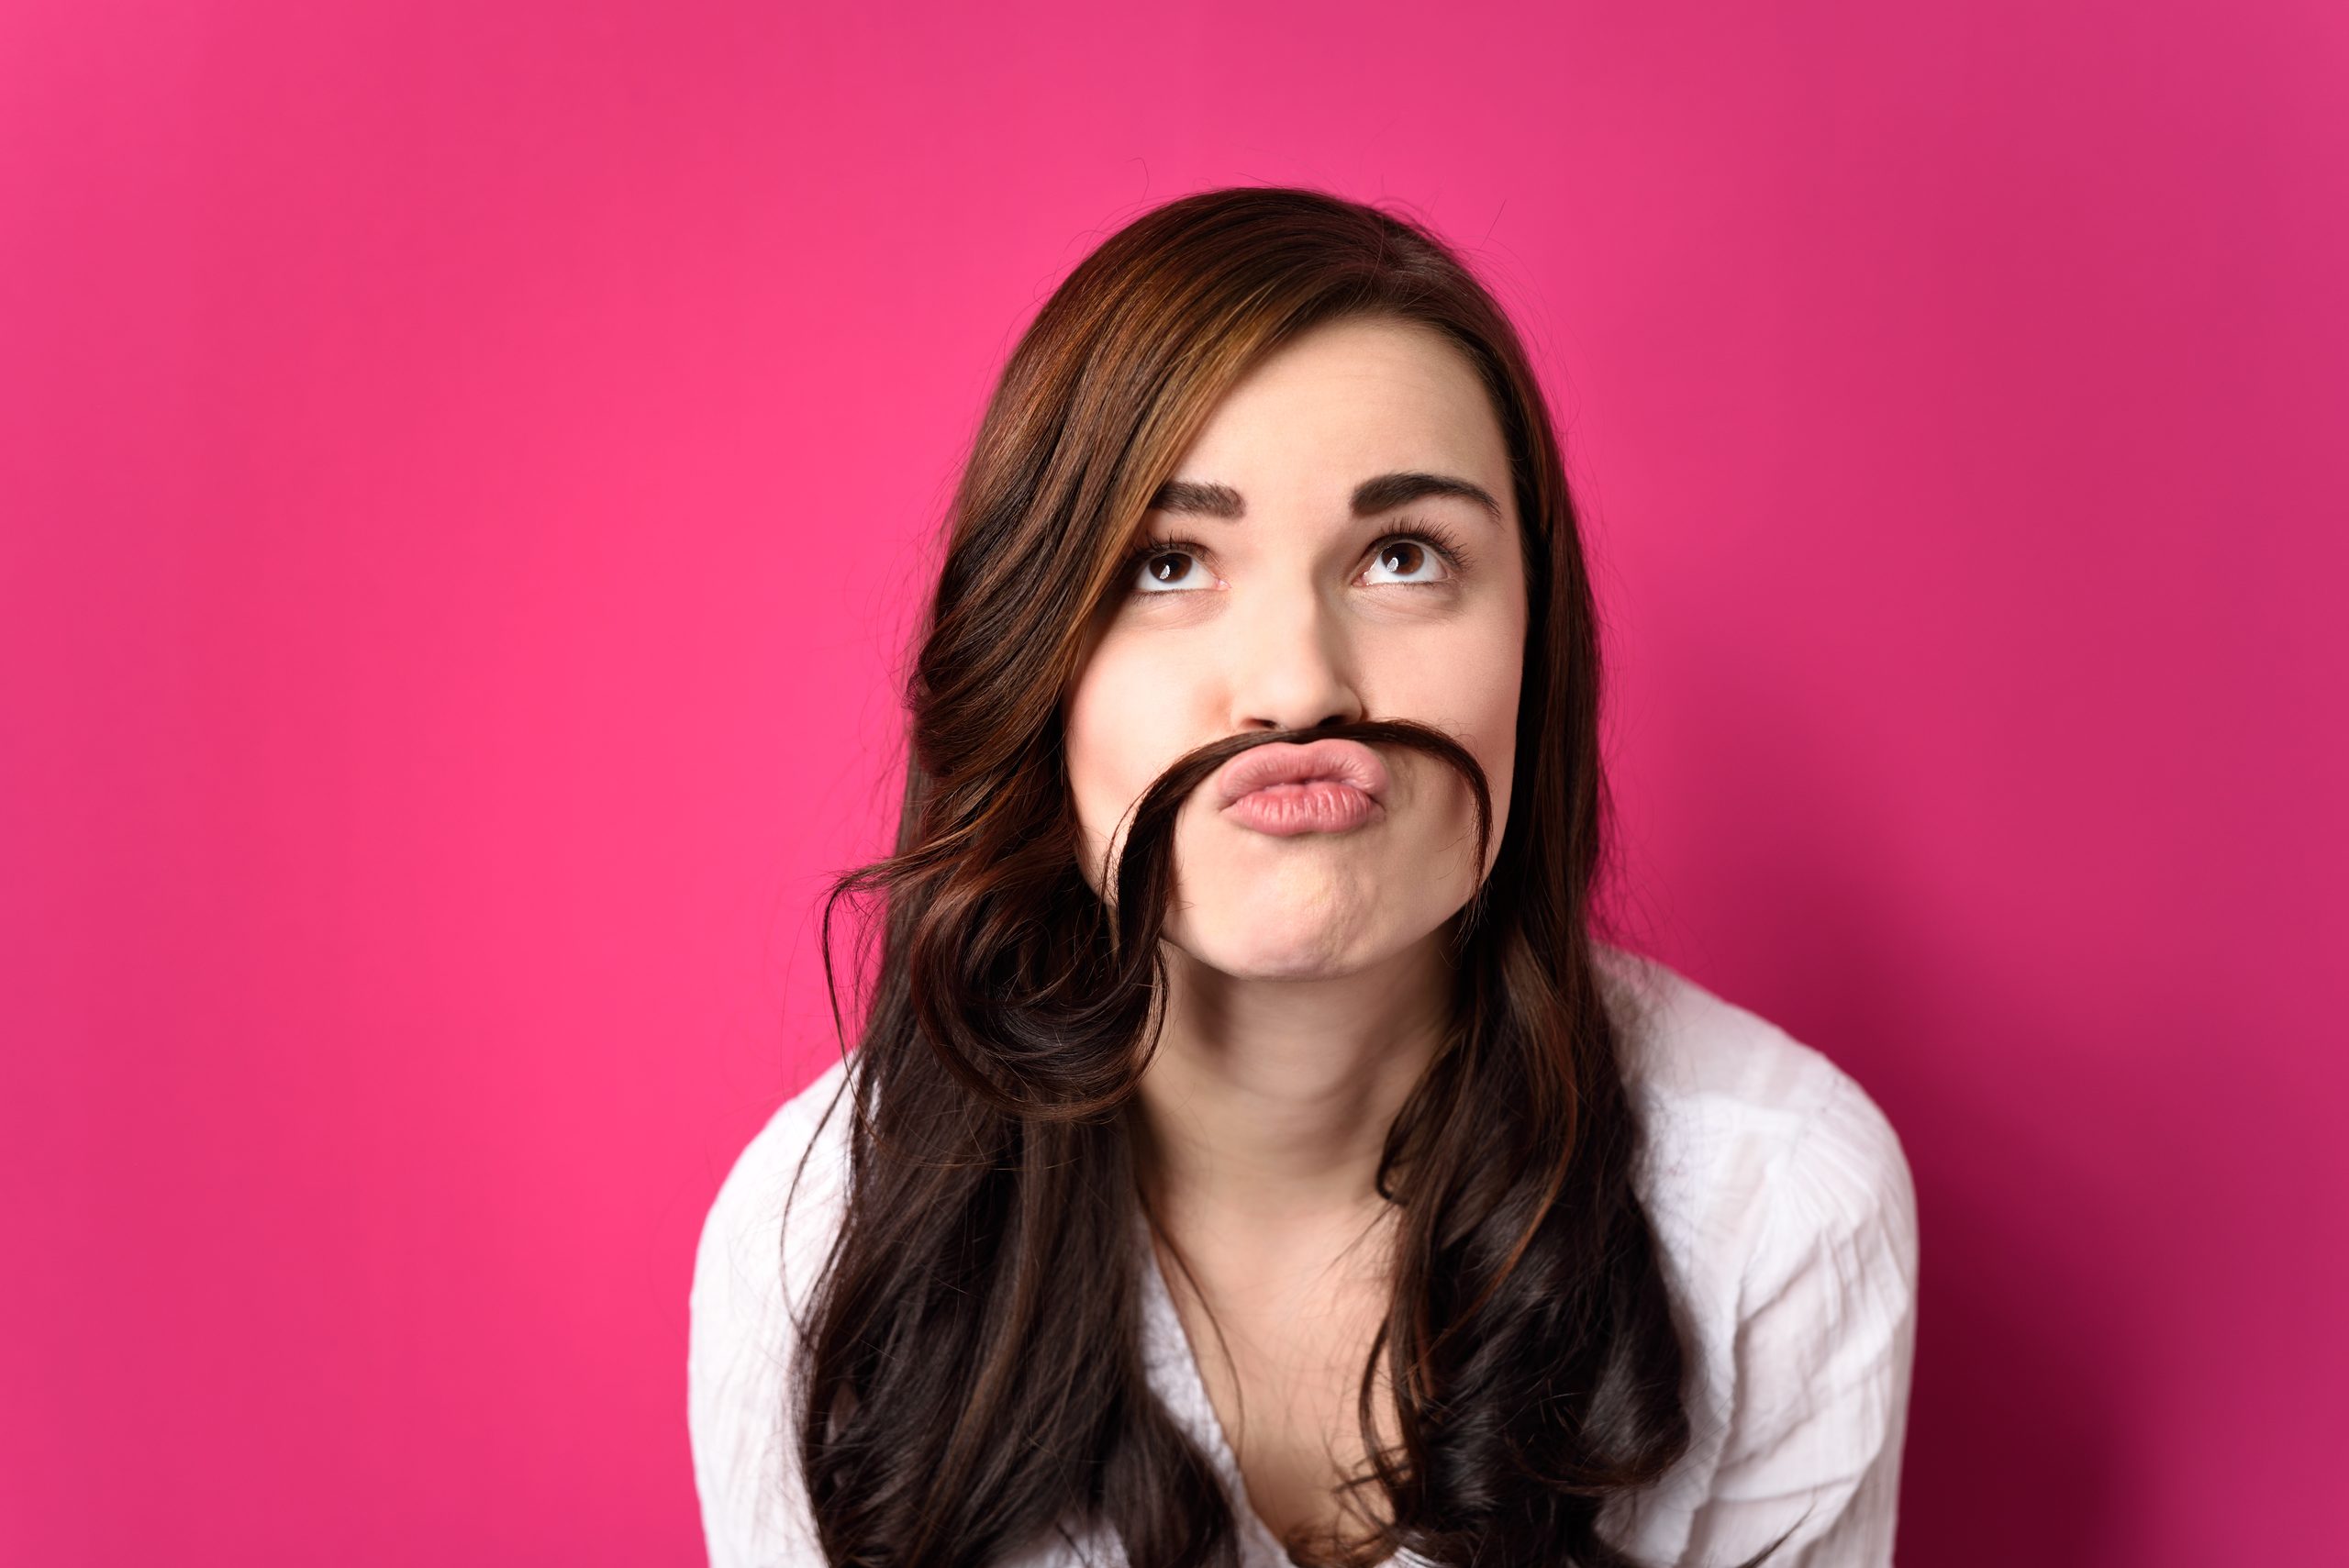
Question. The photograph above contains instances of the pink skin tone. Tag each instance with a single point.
(1307, 970)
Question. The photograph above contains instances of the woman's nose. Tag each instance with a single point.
(1290, 667)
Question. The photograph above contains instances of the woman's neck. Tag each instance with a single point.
(1267, 1102)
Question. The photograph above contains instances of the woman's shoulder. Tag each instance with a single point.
(814, 1115)
(787, 1182)
(1695, 1049)
(1750, 1130)
(1786, 1214)
(766, 1239)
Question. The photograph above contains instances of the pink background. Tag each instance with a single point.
(467, 472)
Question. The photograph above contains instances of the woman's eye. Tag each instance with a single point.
(1164, 569)
(1410, 556)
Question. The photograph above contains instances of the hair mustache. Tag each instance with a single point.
(1143, 877)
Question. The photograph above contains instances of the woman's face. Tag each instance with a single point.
(1291, 610)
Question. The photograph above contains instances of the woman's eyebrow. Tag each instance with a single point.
(1372, 496)
(1389, 491)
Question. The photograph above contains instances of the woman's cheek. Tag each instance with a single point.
(1110, 751)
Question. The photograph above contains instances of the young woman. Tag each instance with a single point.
(1250, 1153)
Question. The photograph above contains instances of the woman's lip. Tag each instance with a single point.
(1287, 763)
(1316, 805)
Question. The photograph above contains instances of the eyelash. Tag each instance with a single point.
(1435, 536)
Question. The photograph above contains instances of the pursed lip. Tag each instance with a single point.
(1261, 767)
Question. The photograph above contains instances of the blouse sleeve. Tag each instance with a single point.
(1826, 1337)
(753, 1504)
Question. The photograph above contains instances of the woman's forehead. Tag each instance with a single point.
(1341, 405)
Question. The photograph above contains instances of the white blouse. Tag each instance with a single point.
(1787, 1224)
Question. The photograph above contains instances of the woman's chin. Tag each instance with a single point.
(1260, 945)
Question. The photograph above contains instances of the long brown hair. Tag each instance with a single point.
(969, 1377)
